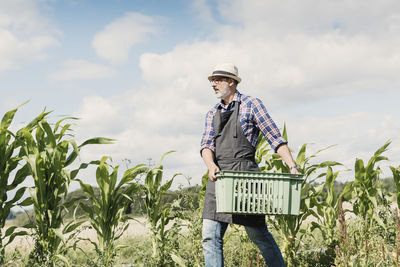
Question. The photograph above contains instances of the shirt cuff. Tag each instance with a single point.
(277, 143)
(206, 146)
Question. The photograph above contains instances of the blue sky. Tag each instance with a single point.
(137, 71)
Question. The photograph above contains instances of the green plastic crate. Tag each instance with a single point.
(258, 193)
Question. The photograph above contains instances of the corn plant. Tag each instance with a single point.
(289, 226)
(159, 215)
(329, 210)
(107, 210)
(10, 161)
(49, 152)
(366, 192)
(396, 178)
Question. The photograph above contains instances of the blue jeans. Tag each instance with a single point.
(213, 234)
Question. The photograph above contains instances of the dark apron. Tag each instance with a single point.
(233, 152)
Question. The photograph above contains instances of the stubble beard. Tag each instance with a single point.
(222, 93)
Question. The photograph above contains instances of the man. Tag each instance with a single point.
(229, 143)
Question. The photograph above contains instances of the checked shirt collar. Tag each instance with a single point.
(236, 98)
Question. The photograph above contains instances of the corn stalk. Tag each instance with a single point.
(328, 206)
(365, 191)
(49, 152)
(396, 178)
(158, 215)
(107, 210)
(10, 161)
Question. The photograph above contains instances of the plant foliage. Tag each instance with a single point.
(107, 210)
(49, 151)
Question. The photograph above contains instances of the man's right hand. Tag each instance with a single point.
(212, 171)
(208, 158)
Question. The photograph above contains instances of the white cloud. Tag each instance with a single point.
(118, 37)
(312, 16)
(300, 63)
(146, 122)
(24, 33)
(294, 55)
(81, 70)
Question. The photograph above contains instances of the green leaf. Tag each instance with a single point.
(97, 140)
(359, 168)
(75, 172)
(300, 160)
(158, 178)
(284, 134)
(113, 178)
(329, 164)
(72, 226)
(26, 202)
(35, 121)
(10, 230)
(7, 119)
(87, 209)
(383, 148)
(14, 235)
(163, 156)
(49, 133)
(149, 180)
(58, 123)
(87, 188)
(20, 176)
(74, 154)
(132, 173)
(166, 186)
(178, 260)
(20, 192)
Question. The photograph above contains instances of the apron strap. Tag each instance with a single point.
(236, 117)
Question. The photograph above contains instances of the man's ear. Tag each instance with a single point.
(231, 82)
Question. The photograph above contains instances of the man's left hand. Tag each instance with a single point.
(294, 170)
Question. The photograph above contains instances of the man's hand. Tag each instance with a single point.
(208, 158)
(212, 171)
(284, 152)
(294, 171)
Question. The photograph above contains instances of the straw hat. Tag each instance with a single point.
(226, 70)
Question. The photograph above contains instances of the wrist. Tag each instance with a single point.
(294, 167)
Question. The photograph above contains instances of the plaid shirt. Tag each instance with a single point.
(253, 118)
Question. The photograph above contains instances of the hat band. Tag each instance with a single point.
(223, 73)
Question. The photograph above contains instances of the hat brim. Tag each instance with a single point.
(236, 78)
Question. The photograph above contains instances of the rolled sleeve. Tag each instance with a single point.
(267, 126)
(277, 142)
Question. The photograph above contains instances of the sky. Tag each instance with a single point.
(136, 71)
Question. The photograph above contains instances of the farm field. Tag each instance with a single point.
(96, 226)
(138, 246)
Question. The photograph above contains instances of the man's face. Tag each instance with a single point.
(220, 86)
